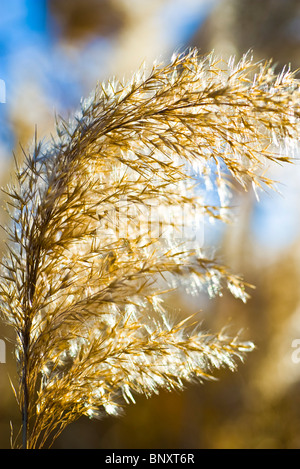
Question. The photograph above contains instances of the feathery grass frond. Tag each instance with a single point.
(102, 220)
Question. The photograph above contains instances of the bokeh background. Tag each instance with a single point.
(52, 52)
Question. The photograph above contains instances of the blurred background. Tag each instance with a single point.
(52, 52)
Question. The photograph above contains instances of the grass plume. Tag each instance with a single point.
(83, 279)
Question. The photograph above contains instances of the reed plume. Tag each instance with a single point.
(97, 234)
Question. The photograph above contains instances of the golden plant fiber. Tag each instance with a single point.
(84, 275)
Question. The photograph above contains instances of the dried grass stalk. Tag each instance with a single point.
(82, 281)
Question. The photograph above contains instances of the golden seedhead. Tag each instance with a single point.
(98, 232)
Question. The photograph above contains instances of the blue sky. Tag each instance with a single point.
(29, 49)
